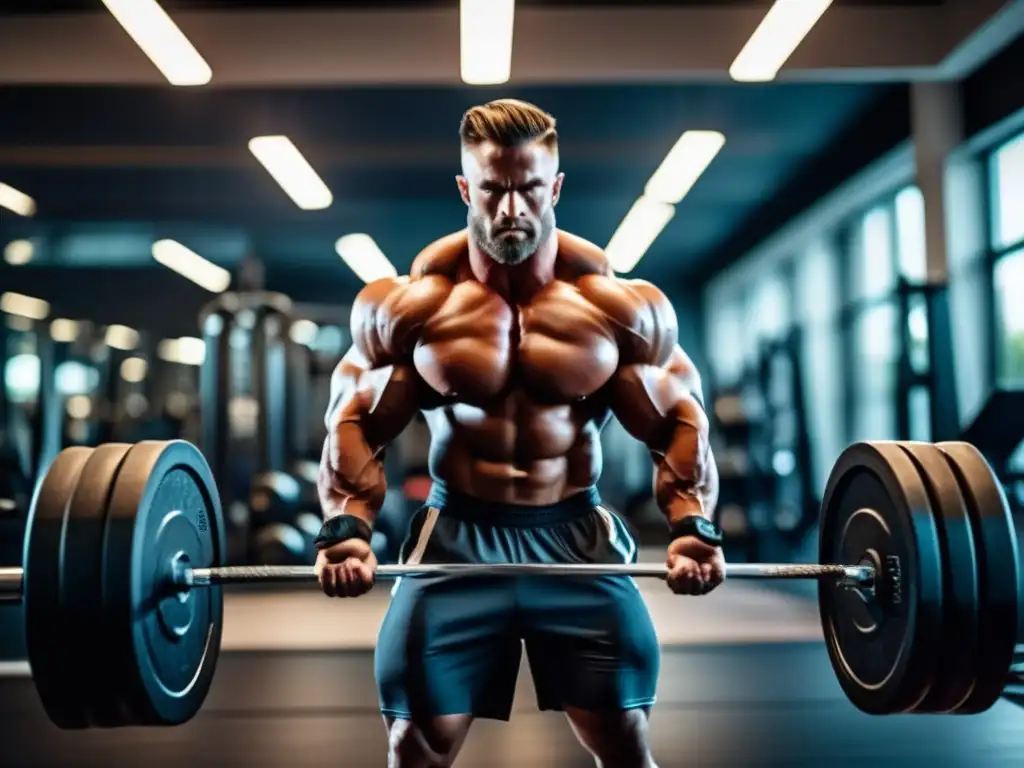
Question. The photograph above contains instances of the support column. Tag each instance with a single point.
(936, 122)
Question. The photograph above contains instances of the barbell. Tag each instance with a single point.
(918, 584)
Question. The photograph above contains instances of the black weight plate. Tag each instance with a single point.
(164, 509)
(81, 580)
(46, 639)
(998, 570)
(882, 647)
(958, 641)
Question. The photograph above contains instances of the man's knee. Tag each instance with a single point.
(615, 739)
(431, 746)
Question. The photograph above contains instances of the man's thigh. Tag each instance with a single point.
(448, 647)
(591, 644)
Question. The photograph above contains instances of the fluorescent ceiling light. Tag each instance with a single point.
(160, 39)
(191, 266)
(121, 337)
(683, 165)
(188, 350)
(641, 226)
(781, 30)
(292, 171)
(486, 30)
(64, 330)
(24, 306)
(18, 252)
(364, 257)
(17, 201)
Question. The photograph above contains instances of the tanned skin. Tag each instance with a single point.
(517, 363)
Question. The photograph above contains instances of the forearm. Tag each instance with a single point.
(686, 478)
(352, 480)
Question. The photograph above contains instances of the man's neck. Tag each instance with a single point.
(519, 282)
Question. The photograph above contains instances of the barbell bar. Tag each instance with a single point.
(120, 537)
(12, 578)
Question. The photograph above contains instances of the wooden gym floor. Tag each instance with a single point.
(745, 683)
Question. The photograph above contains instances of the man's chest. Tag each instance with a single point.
(558, 345)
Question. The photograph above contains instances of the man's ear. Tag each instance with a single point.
(556, 188)
(463, 184)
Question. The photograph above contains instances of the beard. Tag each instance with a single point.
(510, 250)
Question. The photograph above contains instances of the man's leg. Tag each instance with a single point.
(591, 643)
(448, 650)
(615, 739)
(433, 743)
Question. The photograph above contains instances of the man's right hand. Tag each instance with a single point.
(346, 569)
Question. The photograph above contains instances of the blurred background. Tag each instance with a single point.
(192, 194)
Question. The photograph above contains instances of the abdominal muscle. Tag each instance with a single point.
(516, 451)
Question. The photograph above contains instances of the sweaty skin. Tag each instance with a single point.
(515, 388)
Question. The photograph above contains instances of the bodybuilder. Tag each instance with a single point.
(517, 343)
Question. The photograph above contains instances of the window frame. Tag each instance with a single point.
(993, 255)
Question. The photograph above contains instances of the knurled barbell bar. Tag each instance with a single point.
(918, 581)
(184, 577)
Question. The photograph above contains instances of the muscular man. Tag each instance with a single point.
(517, 343)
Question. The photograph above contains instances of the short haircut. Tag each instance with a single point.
(508, 123)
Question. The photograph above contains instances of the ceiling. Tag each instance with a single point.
(14, 7)
(160, 163)
(117, 161)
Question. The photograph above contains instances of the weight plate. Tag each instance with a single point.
(882, 646)
(995, 540)
(958, 642)
(46, 640)
(81, 581)
(164, 510)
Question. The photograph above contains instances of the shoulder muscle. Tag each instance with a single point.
(644, 317)
(578, 257)
(388, 314)
(442, 257)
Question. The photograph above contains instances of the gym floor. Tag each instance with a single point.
(746, 682)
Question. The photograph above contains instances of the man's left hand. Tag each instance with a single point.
(695, 568)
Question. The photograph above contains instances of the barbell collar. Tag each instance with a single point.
(11, 580)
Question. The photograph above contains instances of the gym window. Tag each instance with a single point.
(1006, 169)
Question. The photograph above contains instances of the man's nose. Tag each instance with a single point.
(511, 205)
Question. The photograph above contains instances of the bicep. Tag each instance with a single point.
(681, 367)
(378, 400)
(653, 400)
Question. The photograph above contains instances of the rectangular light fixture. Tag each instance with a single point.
(16, 201)
(781, 30)
(637, 231)
(188, 350)
(24, 306)
(486, 31)
(63, 330)
(160, 39)
(364, 257)
(191, 266)
(683, 165)
(292, 172)
(121, 337)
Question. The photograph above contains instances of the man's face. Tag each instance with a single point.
(511, 193)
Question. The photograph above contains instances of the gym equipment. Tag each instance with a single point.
(918, 581)
(274, 497)
(308, 525)
(280, 544)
